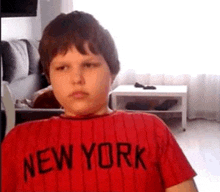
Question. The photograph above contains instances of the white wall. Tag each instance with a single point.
(52, 8)
(21, 27)
(32, 27)
(49, 10)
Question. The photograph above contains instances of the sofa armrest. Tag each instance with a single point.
(24, 88)
(15, 60)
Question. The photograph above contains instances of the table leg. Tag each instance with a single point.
(184, 112)
(114, 102)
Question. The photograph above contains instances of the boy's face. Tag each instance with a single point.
(81, 83)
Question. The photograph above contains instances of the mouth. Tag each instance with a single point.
(78, 95)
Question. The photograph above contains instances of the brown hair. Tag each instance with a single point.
(77, 28)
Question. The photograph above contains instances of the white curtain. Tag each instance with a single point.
(66, 6)
(166, 43)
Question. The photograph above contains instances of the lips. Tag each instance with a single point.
(79, 94)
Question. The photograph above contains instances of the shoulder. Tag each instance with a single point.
(154, 125)
(146, 118)
(23, 129)
(134, 114)
(151, 123)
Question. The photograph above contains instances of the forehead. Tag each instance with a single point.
(73, 54)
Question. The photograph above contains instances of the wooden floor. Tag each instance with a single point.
(201, 145)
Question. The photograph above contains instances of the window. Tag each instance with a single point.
(171, 37)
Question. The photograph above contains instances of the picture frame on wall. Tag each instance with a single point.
(19, 8)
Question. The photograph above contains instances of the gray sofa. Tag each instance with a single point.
(21, 69)
(22, 72)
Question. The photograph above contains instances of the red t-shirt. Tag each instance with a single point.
(118, 152)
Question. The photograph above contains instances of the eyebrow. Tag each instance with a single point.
(58, 63)
(90, 59)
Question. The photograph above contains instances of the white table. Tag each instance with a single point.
(162, 91)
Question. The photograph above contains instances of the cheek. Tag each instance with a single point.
(58, 87)
(58, 81)
(57, 91)
(103, 83)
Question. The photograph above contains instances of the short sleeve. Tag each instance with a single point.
(7, 163)
(174, 166)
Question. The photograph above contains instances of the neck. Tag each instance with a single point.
(104, 112)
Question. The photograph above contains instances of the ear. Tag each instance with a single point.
(48, 79)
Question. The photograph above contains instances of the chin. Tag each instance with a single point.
(85, 112)
(79, 112)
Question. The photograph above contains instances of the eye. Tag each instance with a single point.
(62, 68)
(91, 65)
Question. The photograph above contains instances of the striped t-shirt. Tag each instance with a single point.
(121, 151)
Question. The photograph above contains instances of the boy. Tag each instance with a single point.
(90, 147)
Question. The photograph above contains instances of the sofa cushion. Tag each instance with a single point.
(34, 57)
(15, 60)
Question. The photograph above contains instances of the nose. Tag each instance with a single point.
(77, 77)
